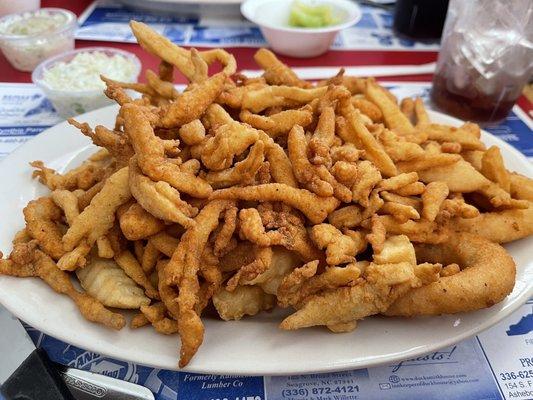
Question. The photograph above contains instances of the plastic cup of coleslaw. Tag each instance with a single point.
(71, 80)
(28, 38)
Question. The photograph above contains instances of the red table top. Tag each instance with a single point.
(243, 55)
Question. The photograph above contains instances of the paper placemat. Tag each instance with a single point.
(107, 20)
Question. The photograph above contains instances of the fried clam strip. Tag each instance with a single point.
(90, 172)
(262, 262)
(191, 104)
(340, 248)
(150, 153)
(302, 282)
(274, 153)
(432, 199)
(227, 142)
(315, 178)
(487, 277)
(272, 96)
(384, 282)
(286, 231)
(444, 133)
(358, 134)
(43, 266)
(323, 138)
(163, 48)
(276, 72)
(42, 217)
(315, 208)
(499, 226)
(99, 216)
(129, 264)
(136, 223)
(394, 118)
(521, 187)
(68, 202)
(242, 172)
(156, 314)
(421, 231)
(283, 261)
(182, 272)
(158, 198)
(279, 123)
(116, 143)
(493, 168)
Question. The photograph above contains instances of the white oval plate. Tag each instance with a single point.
(252, 345)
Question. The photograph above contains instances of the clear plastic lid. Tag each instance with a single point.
(39, 23)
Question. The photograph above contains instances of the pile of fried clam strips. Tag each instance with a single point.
(244, 194)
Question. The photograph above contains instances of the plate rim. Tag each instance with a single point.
(116, 353)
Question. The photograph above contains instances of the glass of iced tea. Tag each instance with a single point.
(485, 60)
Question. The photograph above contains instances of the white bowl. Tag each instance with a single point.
(68, 102)
(272, 16)
(25, 52)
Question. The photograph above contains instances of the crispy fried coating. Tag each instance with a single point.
(282, 262)
(521, 187)
(68, 202)
(486, 278)
(129, 264)
(99, 216)
(45, 268)
(394, 118)
(303, 170)
(106, 282)
(270, 96)
(90, 172)
(493, 168)
(174, 55)
(115, 142)
(151, 157)
(42, 217)
(279, 123)
(432, 199)
(384, 283)
(243, 172)
(358, 134)
(368, 178)
(244, 300)
(159, 198)
(136, 223)
(340, 248)
(277, 73)
(498, 226)
(182, 272)
(443, 133)
(191, 104)
(314, 207)
(228, 141)
(367, 108)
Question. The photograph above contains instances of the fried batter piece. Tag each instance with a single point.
(89, 173)
(182, 271)
(42, 217)
(383, 284)
(99, 216)
(315, 208)
(277, 73)
(44, 267)
(159, 198)
(108, 283)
